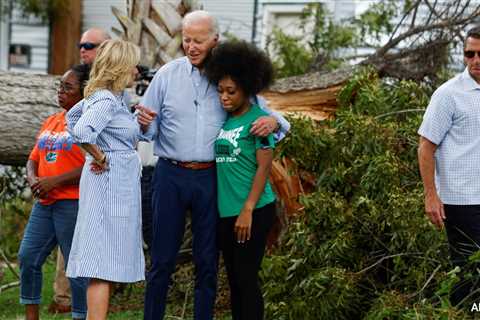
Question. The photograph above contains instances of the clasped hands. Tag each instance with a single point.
(40, 186)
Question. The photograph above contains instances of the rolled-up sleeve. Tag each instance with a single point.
(95, 117)
(438, 117)
(284, 125)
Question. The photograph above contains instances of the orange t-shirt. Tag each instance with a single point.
(56, 153)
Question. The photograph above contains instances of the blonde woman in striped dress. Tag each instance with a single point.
(107, 243)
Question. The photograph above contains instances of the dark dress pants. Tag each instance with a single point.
(147, 212)
(463, 231)
(175, 190)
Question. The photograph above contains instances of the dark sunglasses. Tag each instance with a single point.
(87, 45)
(470, 54)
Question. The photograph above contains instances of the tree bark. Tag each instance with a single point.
(26, 100)
(313, 95)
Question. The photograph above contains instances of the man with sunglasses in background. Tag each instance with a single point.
(87, 46)
(449, 161)
(89, 42)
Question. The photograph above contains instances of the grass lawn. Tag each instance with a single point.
(125, 305)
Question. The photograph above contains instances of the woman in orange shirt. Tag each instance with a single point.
(53, 172)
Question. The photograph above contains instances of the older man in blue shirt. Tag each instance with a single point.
(449, 160)
(189, 118)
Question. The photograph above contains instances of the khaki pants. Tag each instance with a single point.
(61, 287)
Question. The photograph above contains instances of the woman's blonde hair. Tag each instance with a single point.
(112, 67)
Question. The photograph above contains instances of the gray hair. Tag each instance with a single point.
(99, 31)
(201, 15)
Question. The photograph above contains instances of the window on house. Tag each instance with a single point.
(19, 55)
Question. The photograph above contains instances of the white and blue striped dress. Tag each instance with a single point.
(107, 243)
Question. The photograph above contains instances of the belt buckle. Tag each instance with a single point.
(190, 165)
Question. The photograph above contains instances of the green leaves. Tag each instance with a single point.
(293, 55)
(291, 58)
(330, 42)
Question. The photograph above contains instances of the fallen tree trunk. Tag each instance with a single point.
(25, 101)
(313, 95)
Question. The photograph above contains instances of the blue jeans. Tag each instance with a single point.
(48, 226)
(175, 190)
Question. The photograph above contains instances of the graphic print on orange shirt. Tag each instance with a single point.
(52, 142)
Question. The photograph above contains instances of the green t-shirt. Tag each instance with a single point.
(235, 155)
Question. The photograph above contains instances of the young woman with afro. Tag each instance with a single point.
(246, 201)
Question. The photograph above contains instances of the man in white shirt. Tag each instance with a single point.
(449, 161)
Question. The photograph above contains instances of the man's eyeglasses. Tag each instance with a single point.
(87, 45)
(470, 54)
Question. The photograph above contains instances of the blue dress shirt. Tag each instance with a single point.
(190, 114)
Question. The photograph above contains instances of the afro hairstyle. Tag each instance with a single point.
(248, 66)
